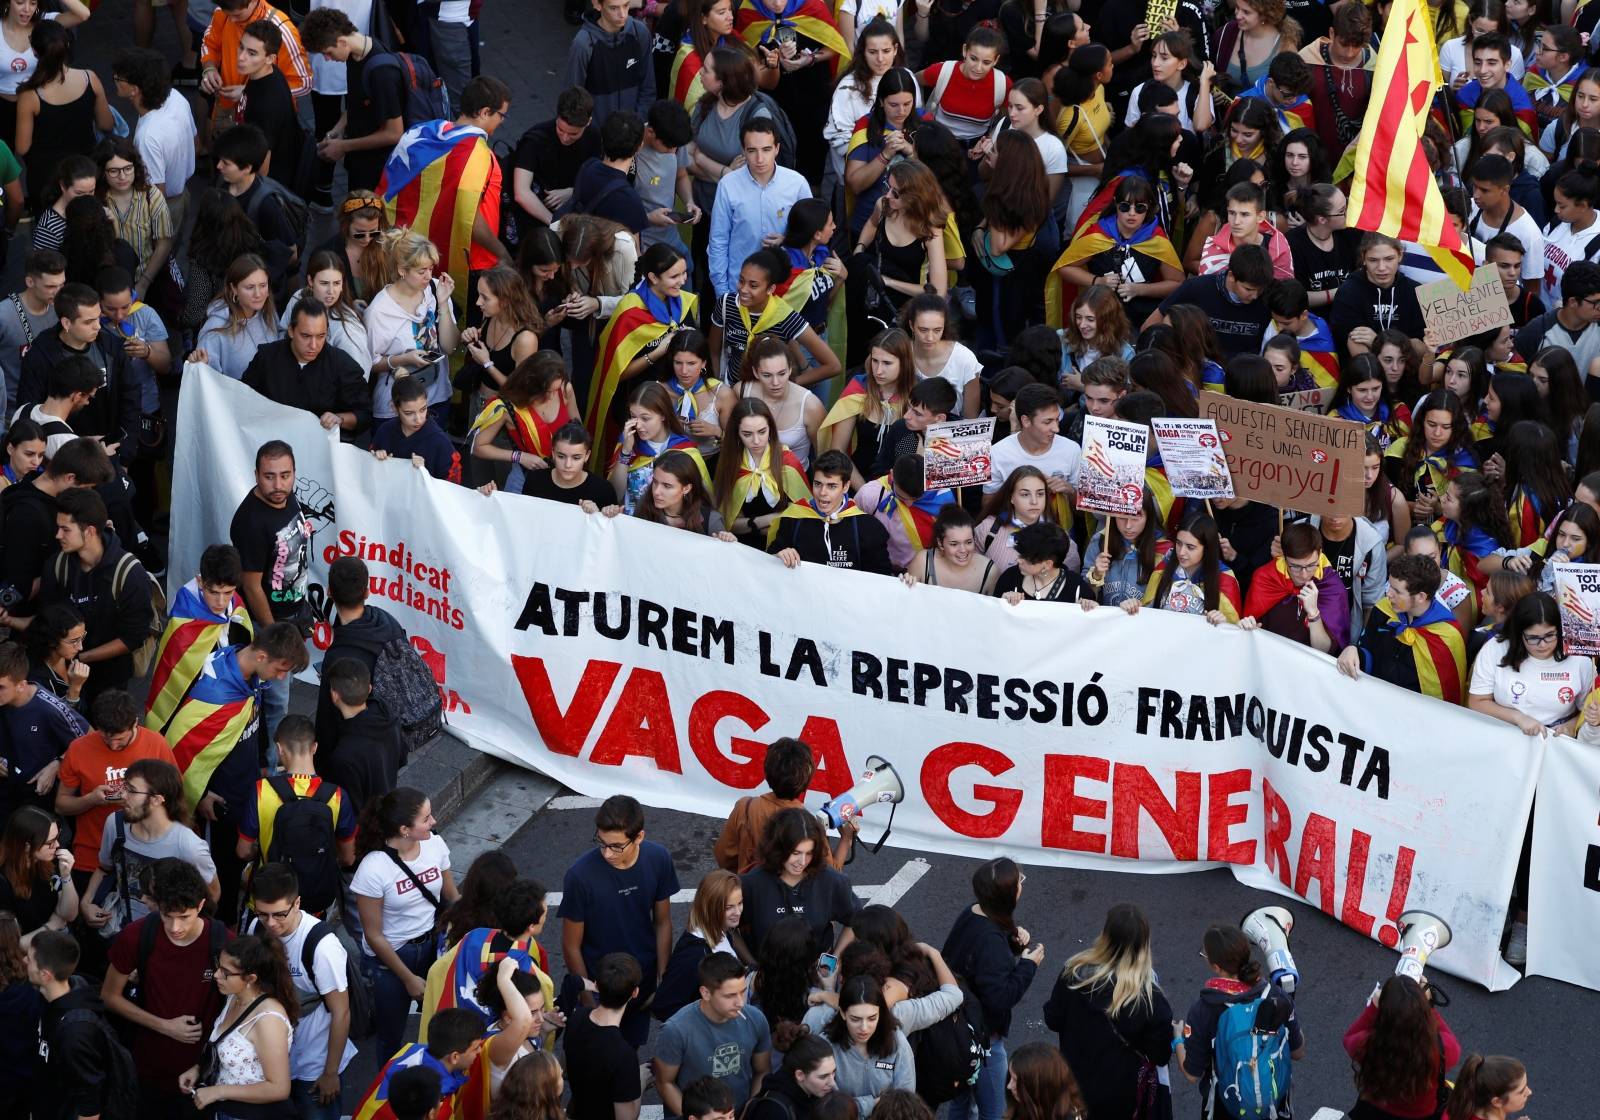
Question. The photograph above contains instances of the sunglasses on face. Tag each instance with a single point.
(1133, 207)
(364, 234)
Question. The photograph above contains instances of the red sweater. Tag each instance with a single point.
(1424, 1104)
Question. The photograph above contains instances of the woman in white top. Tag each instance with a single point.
(1172, 60)
(240, 320)
(1524, 677)
(769, 376)
(515, 1001)
(325, 284)
(1028, 111)
(926, 318)
(411, 324)
(401, 883)
(1484, 17)
(17, 60)
(878, 52)
(253, 1034)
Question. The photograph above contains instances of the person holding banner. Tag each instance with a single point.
(1192, 578)
(954, 559)
(1300, 596)
(677, 496)
(1525, 678)
(1121, 559)
(1040, 573)
(757, 477)
(830, 529)
(1414, 641)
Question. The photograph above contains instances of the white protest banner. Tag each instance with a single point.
(1111, 479)
(1449, 314)
(1057, 736)
(958, 453)
(1578, 594)
(1564, 873)
(1192, 455)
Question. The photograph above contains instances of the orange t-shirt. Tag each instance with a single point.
(88, 763)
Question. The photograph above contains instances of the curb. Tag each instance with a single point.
(449, 772)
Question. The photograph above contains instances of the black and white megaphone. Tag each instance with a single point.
(879, 784)
(1421, 935)
(1268, 930)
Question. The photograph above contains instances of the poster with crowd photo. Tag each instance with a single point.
(1111, 479)
(958, 453)
(1062, 741)
(1578, 594)
(1192, 456)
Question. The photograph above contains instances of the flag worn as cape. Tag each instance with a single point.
(1387, 424)
(1272, 585)
(640, 319)
(852, 403)
(789, 481)
(1149, 240)
(1319, 354)
(1521, 106)
(1394, 191)
(1437, 645)
(453, 979)
(1528, 520)
(219, 709)
(520, 428)
(1462, 551)
(1535, 79)
(684, 81)
(796, 290)
(642, 458)
(1437, 469)
(807, 511)
(757, 21)
(1298, 113)
(193, 632)
(433, 184)
(466, 1095)
(915, 517)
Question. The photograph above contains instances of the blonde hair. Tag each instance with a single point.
(401, 250)
(707, 916)
(1120, 957)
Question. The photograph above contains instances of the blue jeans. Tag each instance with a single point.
(275, 705)
(306, 1106)
(989, 1094)
(392, 1003)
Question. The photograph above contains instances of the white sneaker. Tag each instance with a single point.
(1517, 944)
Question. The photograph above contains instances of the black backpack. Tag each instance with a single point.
(120, 1092)
(950, 1054)
(296, 210)
(361, 1017)
(405, 684)
(303, 838)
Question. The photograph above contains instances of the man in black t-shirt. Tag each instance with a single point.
(602, 1068)
(602, 186)
(267, 103)
(568, 479)
(1231, 300)
(548, 157)
(374, 107)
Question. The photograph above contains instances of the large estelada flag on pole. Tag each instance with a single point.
(1394, 190)
(433, 183)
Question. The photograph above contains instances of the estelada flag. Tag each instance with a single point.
(1394, 191)
(1521, 106)
(916, 517)
(757, 21)
(787, 482)
(684, 81)
(1528, 522)
(1096, 237)
(796, 290)
(219, 709)
(643, 458)
(466, 1096)
(639, 320)
(452, 980)
(193, 632)
(433, 184)
(1319, 354)
(1438, 647)
(520, 427)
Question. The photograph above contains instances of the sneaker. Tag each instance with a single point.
(1517, 945)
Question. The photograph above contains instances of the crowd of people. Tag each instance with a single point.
(758, 251)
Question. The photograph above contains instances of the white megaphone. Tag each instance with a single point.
(1421, 935)
(1268, 930)
(879, 784)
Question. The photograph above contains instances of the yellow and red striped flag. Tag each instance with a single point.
(1394, 191)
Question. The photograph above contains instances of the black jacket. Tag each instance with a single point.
(367, 763)
(331, 382)
(861, 543)
(977, 951)
(115, 411)
(128, 615)
(680, 984)
(767, 1104)
(361, 639)
(1105, 1053)
(28, 515)
(76, 1060)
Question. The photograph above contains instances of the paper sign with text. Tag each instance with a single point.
(1307, 400)
(1578, 593)
(1191, 453)
(958, 453)
(1292, 459)
(1451, 314)
(1111, 479)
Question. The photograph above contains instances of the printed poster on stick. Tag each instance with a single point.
(1112, 477)
(958, 453)
(1290, 459)
(1191, 453)
(1449, 314)
(1578, 593)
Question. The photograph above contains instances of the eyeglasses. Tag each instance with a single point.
(364, 234)
(893, 192)
(119, 171)
(220, 971)
(52, 842)
(78, 641)
(1133, 208)
(274, 915)
(1540, 639)
(134, 791)
(614, 849)
(1293, 567)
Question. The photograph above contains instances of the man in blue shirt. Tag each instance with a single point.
(752, 206)
(618, 899)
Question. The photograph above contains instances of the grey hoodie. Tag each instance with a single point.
(617, 69)
(1371, 581)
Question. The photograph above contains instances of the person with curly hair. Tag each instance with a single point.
(1400, 1048)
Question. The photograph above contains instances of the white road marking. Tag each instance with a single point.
(1327, 1114)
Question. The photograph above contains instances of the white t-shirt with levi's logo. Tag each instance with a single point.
(407, 913)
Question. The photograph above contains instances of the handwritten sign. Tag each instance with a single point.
(1192, 455)
(1578, 593)
(958, 453)
(1111, 479)
(1449, 314)
(1290, 459)
(1308, 400)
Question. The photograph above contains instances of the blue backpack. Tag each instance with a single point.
(1252, 1063)
(425, 98)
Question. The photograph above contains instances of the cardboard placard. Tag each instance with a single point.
(1578, 594)
(1308, 400)
(1111, 479)
(958, 453)
(1451, 314)
(1192, 455)
(1290, 459)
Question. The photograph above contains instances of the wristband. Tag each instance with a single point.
(516, 457)
(1313, 618)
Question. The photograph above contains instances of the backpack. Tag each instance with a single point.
(302, 837)
(145, 655)
(296, 210)
(406, 686)
(947, 71)
(950, 1054)
(788, 145)
(425, 98)
(356, 986)
(116, 894)
(1251, 1058)
(120, 1098)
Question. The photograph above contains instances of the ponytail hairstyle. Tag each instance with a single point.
(1075, 82)
(655, 261)
(52, 45)
(1033, 89)
(1481, 1081)
(383, 817)
(996, 886)
(1227, 948)
(262, 957)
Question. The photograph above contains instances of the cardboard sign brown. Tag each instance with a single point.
(1451, 314)
(1295, 460)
